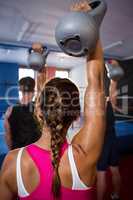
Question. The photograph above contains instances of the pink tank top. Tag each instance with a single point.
(43, 191)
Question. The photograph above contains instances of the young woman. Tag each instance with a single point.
(50, 168)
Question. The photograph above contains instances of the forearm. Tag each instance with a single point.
(95, 69)
(8, 138)
(97, 54)
(94, 97)
(113, 93)
(41, 80)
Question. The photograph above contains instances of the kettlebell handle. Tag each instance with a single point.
(99, 8)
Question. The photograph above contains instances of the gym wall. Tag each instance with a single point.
(8, 85)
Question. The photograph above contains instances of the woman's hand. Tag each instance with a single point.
(81, 6)
(37, 47)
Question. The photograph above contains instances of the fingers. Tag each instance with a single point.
(37, 47)
(81, 6)
(75, 6)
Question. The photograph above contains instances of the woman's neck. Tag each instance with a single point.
(45, 140)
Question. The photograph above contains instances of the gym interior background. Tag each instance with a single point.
(23, 22)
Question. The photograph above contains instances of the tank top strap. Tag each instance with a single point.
(77, 182)
(21, 188)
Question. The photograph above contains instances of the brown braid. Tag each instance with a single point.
(54, 120)
(56, 142)
(59, 113)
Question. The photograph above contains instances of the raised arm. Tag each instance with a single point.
(41, 75)
(91, 136)
(113, 91)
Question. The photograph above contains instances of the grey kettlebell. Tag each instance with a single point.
(114, 72)
(37, 60)
(77, 33)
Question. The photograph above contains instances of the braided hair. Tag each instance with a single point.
(59, 103)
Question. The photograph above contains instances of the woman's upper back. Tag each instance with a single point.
(41, 172)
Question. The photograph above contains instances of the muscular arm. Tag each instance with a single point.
(91, 136)
(113, 92)
(113, 95)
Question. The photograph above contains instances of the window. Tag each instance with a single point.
(62, 73)
(23, 73)
(26, 72)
